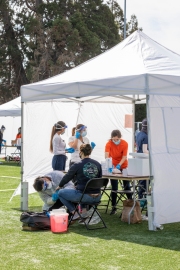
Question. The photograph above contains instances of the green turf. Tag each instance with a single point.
(120, 246)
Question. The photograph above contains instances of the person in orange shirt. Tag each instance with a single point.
(117, 149)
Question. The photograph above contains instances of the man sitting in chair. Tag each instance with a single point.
(84, 170)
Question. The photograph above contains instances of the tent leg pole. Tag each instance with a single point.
(24, 185)
(24, 196)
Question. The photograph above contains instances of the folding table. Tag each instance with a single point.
(133, 179)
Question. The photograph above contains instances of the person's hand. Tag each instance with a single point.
(55, 197)
(93, 145)
(70, 150)
(77, 135)
(118, 167)
(4, 141)
(2, 144)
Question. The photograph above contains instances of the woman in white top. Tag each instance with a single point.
(76, 140)
(58, 146)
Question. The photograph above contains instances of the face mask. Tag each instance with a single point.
(47, 185)
(62, 132)
(84, 133)
(116, 142)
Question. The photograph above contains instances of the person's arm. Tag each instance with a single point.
(56, 150)
(69, 175)
(47, 199)
(74, 143)
(145, 149)
(106, 154)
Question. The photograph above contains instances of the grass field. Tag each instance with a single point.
(120, 246)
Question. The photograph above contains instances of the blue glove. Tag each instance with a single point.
(55, 197)
(70, 150)
(118, 167)
(93, 145)
(48, 214)
(2, 144)
(4, 141)
(77, 135)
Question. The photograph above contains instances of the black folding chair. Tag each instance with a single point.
(95, 183)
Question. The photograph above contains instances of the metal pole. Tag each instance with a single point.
(124, 19)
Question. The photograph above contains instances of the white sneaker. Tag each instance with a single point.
(76, 216)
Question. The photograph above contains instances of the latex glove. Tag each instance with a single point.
(48, 214)
(77, 135)
(55, 197)
(70, 150)
(2, 144)
(118, 167)
(93, 145)
(4, 141)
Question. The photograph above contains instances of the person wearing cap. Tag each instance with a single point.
(142, 147)
(2, 141)
(58, 146)
(46, 187)
(76, 140)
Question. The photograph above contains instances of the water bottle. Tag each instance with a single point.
(109, 165)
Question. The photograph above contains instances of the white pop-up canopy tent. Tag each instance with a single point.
(11, 108)
(10, 113)
(136, 66)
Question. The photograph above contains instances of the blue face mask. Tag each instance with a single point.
(116, 142)
(84, 133)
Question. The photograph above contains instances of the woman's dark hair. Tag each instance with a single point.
(38, 183)
(57, 127)
(86, 149)
(79, 126)
(73, 131)
(115, 133)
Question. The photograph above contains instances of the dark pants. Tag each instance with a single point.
(59, 162)
(57, 205)
(114, 184)
(142, 189)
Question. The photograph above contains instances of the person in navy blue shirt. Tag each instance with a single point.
(84, 170)
(142, 147)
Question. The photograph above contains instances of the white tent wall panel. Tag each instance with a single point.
(101, 119)
(39, 119)
(165, 155)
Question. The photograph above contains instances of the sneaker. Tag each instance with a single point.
(95, 220)
(76, 216)
(113, 211)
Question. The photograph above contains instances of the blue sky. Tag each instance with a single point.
(160, 20)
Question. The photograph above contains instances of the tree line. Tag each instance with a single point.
(43, 38)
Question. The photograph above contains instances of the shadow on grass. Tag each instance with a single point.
(134, 233)
(168, 238)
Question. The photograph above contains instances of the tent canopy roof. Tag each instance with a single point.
(11, 108)
(136, 66)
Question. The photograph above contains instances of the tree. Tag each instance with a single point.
(42, 38)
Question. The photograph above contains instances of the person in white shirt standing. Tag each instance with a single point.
(76, 140)
(58, 146)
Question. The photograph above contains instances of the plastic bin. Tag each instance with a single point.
(59, 220)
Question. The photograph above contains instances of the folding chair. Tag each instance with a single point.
(95, 183)
(121, 195)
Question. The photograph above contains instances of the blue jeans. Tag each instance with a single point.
(68, 196)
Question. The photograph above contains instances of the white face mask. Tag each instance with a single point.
(49, 185)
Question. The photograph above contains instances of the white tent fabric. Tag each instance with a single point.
(11, 108)
(165, 153)
(136, 66)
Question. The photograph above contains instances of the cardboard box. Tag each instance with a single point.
(138, 166)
